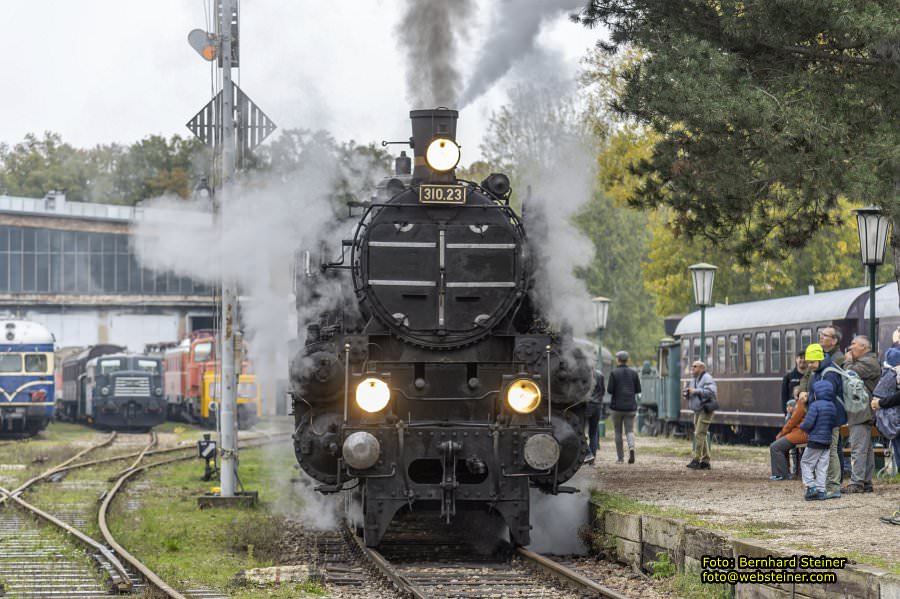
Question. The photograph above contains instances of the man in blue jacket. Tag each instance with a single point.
(820, 419)
(819, 362)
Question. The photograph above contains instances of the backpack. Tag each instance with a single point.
(856, 396)
(888, 422)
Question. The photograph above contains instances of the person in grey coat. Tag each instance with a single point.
(863, 362)
(701, 396)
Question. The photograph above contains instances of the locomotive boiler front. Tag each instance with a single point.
(443, 388)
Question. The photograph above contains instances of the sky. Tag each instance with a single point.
(101, 71)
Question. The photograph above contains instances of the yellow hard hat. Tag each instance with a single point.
(814, 352)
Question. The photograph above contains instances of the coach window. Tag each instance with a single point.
(790, 349)
(685, 356)
(720, 355)
(747, 353)
(775, 349)
(696, 349)
(709, 354)
(733, 349)
(760, 353)
(805, 338)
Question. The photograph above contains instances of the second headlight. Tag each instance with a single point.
(523, 396)
(372, 395)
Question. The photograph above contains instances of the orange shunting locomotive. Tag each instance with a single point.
(192, 383)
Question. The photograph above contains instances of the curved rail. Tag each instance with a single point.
(135, 563)
(121, 581)
(568, 576)
(148, 574)
(59, 467)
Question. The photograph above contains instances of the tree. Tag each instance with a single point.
(37, 165)
(155, 166)
(106, 173)
(767, 114)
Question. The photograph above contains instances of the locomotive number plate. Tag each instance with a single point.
(442, 194)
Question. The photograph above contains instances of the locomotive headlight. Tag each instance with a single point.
(372, 395)
(442, 154)
(104, 391)
(523, 396)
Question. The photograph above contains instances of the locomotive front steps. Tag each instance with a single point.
(638, 539)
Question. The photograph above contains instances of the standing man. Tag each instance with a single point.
(863, 362)
(592, 414)
(624, 384)
(791, 380)
(701, 396)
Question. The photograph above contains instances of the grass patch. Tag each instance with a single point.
(58, 442)
(855, 556)
(184, 544)
(620, 503)
(686, 585)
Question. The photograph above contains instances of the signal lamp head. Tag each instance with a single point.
(372, 395)
(523, 396)
(442, 155)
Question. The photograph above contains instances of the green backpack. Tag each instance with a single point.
(856, 396)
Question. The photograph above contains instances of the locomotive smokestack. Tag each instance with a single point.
(428, 126)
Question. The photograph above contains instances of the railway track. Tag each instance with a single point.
(424, 565)
(37, 562)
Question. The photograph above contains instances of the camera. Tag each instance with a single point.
(686, 393)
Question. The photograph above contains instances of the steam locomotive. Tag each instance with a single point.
(434, 382)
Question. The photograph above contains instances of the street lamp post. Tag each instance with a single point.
(873, 228)
(601, 311)
(703, 275)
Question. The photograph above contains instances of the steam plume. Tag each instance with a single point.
(517, 24)
(427, 33)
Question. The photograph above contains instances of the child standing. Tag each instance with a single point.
(821, 417)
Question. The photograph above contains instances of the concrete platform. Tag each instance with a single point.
(240, 499)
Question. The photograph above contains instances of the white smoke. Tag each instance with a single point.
(517, 24)
(428, 33)
(540, 137)
(556, 521)
(265, 220)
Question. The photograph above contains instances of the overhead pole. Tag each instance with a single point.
(228, 382)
